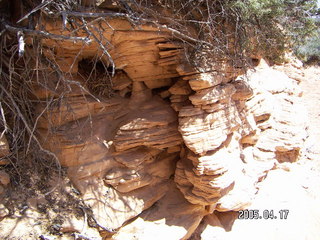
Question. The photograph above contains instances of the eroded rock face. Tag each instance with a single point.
(279, 114)
(214, 134)
(231, 126)
(121, 149)
(131, 150)
(158, 222)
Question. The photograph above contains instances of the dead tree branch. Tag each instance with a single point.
(44, 34)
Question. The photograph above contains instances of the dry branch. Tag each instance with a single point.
(44, 34)
(40, 6)
(104, 49)
(94, 14)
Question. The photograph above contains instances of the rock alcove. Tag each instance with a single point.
(141, 131)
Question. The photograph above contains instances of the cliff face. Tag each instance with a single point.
(144, 128)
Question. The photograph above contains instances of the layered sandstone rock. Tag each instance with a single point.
(159, 222)
(122, 148)
(279, 114)
(231, 126)
(157, 119)
(117, 163)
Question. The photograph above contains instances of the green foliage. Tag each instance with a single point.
(238, 28)
(310, 51)
(275, 25)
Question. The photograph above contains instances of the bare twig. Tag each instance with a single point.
(26, 124)
(104, 49)
(44, 34)
(40, 6)
(4, 121)
(96, 222)
(94, 14)
(82, 236)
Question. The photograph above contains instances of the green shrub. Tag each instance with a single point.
(309, 51)
(258, 27)
(274, 25)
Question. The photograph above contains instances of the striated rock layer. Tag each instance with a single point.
(159, 126)
(235, 132)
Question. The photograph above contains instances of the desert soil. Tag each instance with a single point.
(311, 100)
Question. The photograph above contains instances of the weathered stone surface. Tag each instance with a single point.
(285, 133)
(278, 113)
(165, 94)
(137, 50)
(117, 164)
(251, 139)
(120, 81)
(158, 83)
(260, 116)
(212, 229)
(240, 196)
(53, 85)
(219, 136)
(153, 126)
(205, 80)
(111, 208)
(243, 90)
(149, 173)
(190, 110)
(213, 95)
(205, 179)
(180, 88)
(210, 108)
(173, 217)
(72, 109)
(272, 81)
(133, 158)
(206, 132)
(292, 68)
(159, 137)
(74, 147)
(132, 56)
(217, 178)
(261, 106)
(178, 98)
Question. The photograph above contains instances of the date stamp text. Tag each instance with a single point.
(265, 214)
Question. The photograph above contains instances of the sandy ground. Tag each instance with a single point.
(311, 100)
